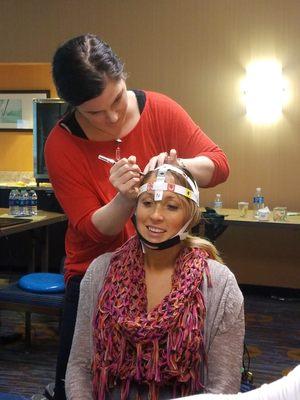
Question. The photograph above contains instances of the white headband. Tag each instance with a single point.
(160, 185)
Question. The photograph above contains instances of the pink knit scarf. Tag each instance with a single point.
(163, 347)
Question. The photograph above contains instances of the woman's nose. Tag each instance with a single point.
(112, 116)
(157, 212)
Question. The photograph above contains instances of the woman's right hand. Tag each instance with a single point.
(125, 177)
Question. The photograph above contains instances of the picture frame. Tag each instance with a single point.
(16, 108)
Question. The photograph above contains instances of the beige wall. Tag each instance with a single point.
(196, 52)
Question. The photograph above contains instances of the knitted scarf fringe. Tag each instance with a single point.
(163, 347)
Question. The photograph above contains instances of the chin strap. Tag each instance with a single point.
(181, 235)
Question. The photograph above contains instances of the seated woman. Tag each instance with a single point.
(162, 316)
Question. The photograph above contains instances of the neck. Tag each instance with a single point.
(161, 259)
(94, 133)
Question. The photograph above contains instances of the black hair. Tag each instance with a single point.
(82, 66)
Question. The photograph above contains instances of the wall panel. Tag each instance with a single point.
(16, 147)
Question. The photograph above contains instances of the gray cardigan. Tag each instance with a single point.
(223, 334)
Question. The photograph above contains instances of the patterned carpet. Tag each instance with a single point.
(272, 337)
(22, 370)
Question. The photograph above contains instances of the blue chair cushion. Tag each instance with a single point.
(42, 282)
(13, 294)
(10, 396)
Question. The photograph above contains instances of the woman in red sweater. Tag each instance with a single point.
(140, 130)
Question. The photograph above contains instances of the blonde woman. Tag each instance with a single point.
(162, 316)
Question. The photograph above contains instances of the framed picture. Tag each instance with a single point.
(16, 108)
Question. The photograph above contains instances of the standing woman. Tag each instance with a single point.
(140, 130)
(161, 317)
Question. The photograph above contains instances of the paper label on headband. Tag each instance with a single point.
(158, 195)
(188, 193)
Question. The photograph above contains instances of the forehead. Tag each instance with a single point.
(166, 196)
(106, 98)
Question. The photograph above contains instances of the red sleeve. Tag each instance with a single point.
(69, 174)
(190, 141)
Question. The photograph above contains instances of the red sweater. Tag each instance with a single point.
(81, 181)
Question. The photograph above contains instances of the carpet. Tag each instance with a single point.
(272, 338)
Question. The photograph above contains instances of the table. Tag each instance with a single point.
(233, 218)
(40, 222)
(263, 253)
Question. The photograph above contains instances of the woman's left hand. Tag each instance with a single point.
(162, 158)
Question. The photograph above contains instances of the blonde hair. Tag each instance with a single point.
(204, 244)
(194, 213)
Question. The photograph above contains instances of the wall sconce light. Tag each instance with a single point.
(265, 91)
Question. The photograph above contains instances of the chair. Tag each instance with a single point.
(11, 396)
(212, 225)
(40, 299)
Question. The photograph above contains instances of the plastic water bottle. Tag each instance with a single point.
(13, 202)
(218, 203)
(32, 202)
(258, 202)
(23, 203)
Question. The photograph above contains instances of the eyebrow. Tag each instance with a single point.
(119, 95)
(171, 196)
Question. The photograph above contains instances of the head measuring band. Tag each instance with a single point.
(160, 185)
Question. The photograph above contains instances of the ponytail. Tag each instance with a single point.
(206, 245)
